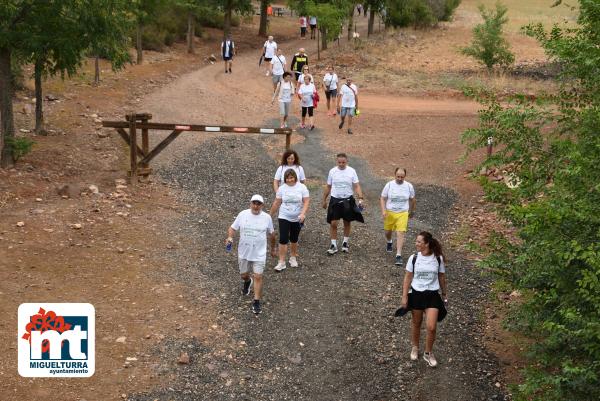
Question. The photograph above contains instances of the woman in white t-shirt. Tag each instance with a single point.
(305, 71)
(423, 279)
(306, 93)
(291, 200)
(289, 160)
(284, 92)
(330, 81)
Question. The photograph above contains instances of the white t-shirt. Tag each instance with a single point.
(280, 173)
(306, 91)
(426, 272)
(342, 181)
(278, 63)
(286, 90)
(330, 81)
(253, 234)
(270, 48)
(227, 44)
(303, 22)
(348, 97)
(312, 20)
(301, 78)
(291, 200)
(398, 195)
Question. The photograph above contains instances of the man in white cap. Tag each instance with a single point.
(254, 226)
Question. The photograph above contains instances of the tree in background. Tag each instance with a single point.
(418, 13)
(550, 151)
(375, 7)
(262, 27)
(228, 7)
(330, 18)
(144, 11)
(489, 46)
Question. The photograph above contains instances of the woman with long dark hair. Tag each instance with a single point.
(289, 160)
(425, 276)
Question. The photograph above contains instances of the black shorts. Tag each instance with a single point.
(331, 94)
(313, 27)
(308, 110)
(302, 30)
(296, 75)
(421, 300)
(289, 231)
(268, 59)
(343, 209)
(227, 58)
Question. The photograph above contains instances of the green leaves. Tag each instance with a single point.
(552, 149)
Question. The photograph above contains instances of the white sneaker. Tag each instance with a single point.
(293, 261)
(414, 353)
(267, 73)
(280, 266)
(430, 359)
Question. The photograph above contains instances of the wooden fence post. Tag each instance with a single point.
(133, 149)
(288, 141)
(145, 142)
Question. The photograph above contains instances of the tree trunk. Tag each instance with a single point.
(138, 44)
(227, 20)
(191, 32)
(39, 100)
(351, 23)
(262, 28)
(6, 109)
(323, 38)
(371, 21)
(96, 70)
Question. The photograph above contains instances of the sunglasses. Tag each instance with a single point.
(256, 203)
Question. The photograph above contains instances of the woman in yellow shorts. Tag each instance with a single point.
(398, 204)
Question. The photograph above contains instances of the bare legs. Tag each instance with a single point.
(400, 235)
(431, 315)
(334, 226)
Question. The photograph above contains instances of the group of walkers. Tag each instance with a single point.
(343, 199)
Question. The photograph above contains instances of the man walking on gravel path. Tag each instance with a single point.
(348, 95)
(277, 68)
(227, 52)
(254, 226)
(342, 182)
(398, 204)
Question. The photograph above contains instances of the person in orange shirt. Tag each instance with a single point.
(270, 10)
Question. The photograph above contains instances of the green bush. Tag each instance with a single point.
(419, 13)
(489, 46)
(213, 18)
(21, 146)
(552, 148)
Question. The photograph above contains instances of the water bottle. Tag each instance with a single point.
(229, 246)
(301, 225)
(360, 207)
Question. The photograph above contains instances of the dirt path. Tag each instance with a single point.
(326, 332)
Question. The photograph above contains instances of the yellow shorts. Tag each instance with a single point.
(396, 221)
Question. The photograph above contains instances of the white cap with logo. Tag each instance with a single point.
(257, 198)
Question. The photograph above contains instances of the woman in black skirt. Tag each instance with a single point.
(424, 277)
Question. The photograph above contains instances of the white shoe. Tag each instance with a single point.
(293, 261)
(430, 359)
(414, 353)
(280, 266)
(267, 74)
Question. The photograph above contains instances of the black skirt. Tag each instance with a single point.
(421, 300)
(345, 208)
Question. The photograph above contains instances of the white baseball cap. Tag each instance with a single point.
(257, 198)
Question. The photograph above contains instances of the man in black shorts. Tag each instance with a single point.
(299, 60)
(227, 52)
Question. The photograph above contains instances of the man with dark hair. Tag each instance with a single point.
(342, 182)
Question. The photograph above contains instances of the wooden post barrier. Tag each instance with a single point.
(145, 155)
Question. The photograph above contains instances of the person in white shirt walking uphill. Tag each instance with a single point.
(227, 52)
(269, 49)
(292, 201)
(423, 279)
(330, 81)
(254, 226)
(348, 97)
(284, 91)
(289, 160)
(342, 182)
(277, 68)
(312, 21)
(398, 204)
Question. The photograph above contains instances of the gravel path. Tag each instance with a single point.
(326, 331)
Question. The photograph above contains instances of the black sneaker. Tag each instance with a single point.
(389, 247)
(230, 70)
(246, 287)
(332, 249)
(399, 261)
(349, 131)
(341, 125)
(345, 247)
(256, 307)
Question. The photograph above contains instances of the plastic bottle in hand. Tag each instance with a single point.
(229, 246)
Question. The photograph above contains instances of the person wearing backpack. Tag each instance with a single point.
(425, 276)
(330, 81)
(348, 97)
